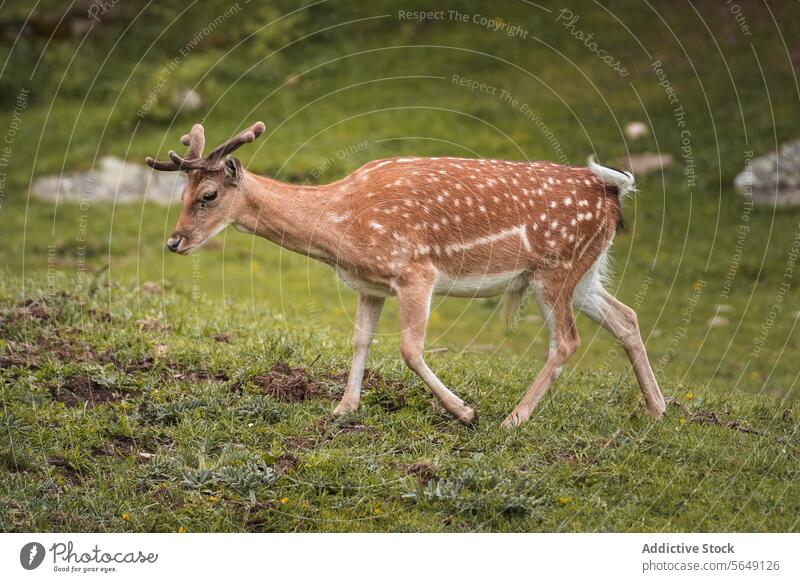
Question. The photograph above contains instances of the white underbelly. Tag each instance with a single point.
(485, 285)
(362, 285)
(482, 285)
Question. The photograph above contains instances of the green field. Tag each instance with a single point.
(200, 426)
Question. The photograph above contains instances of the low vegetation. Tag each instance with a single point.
(176, 417)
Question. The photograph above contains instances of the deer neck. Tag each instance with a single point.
(285, 214)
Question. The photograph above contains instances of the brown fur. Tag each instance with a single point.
(413, 227)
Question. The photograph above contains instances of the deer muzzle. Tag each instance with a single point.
(174, 241)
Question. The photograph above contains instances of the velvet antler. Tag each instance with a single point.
(196, 140)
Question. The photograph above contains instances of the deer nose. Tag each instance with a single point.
(174, 242)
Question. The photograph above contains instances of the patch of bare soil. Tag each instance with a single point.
(289, 384)
(286, 462)
(711, 417)
(116, 445)
(125, 446)
(69, 474)
(83, 390)
(258, 514)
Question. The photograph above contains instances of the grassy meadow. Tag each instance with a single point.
(145, 391)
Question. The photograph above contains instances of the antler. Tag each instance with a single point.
(195, 139)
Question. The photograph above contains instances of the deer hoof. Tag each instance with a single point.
(470, 417)
(513, 420)
(343, 408)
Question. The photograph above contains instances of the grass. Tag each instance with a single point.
(589, 460)
(120, 419)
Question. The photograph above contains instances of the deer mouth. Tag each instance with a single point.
(179, 243)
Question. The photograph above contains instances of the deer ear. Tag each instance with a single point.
(233, 170)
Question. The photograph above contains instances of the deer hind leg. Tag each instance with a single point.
(415, 300)
(607, 311)
(368, 311)
(564, 341)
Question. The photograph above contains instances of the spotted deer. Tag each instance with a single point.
(416, 227)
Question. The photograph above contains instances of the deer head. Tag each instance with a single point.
(212, 197)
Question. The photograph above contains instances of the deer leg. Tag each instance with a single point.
(564, 341)
(368, 311)
(621, 321)
(415, 303)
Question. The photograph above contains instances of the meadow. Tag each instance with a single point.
(145, 391)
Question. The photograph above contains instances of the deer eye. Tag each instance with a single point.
(209, 196)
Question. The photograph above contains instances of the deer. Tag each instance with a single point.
(415, 227)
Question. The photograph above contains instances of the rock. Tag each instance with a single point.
(773, 178)
(636, 129)
(113, 179)
(718, 321)
(643, 164)
(187, 100)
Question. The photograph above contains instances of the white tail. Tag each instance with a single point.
(414, 227)
(622, 180)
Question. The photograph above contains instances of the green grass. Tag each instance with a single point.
(387, 84)
(185, 434)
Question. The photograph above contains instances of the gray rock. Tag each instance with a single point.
(113, 179)
(718, 321)
(636, 130)
(773, 178)
(643, 164)
(187, 100)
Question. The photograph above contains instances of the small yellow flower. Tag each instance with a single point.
(682, 421)
(181, 530)
(377, 511)
(125, 516)
(563, 500)
(689, 396)
(284, 500)
(754, 375)
(212, 498)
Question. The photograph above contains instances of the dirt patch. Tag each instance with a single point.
(83, 390)
(56, 344)
(423, 471)
(68, 473)
(289, 384)
(286, 462)
(258, 515)
(125, 446)
(711, 417)
(34, 309)
(389, 395)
